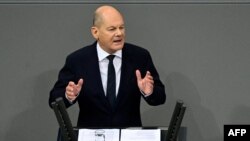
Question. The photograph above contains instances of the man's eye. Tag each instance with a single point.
(111, 29)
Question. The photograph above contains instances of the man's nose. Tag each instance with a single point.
(118, 32)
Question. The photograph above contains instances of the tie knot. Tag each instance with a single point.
(111, 57)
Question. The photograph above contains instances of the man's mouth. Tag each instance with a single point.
(117, 41)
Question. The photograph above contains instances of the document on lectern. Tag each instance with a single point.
(140, 134)
(98, 134)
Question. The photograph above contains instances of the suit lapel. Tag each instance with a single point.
(96, 80)
(126, 74)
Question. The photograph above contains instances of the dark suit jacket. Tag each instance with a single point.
(95, 110)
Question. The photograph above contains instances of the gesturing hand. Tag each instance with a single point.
(72, 89)
(146, 84)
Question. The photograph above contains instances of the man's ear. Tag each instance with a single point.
(94, 31)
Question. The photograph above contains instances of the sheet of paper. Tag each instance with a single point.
(140, 135)
(98, 135)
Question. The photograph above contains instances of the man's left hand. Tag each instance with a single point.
(146, 84)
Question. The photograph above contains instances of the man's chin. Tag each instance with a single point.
(118, 46)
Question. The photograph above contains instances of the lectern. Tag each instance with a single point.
(68, 134)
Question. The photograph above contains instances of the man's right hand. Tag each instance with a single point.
(73, 90)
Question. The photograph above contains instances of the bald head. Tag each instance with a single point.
(103, 13)
(108, 29)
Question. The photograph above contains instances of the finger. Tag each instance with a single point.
(69, 93)
(71, 83)
(80, 82)
(148, 73)
(150, 81)
(149, 77)
(69, 89)
(138, 75)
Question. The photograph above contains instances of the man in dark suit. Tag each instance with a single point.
(86, 76)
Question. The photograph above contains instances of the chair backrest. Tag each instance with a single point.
(175, 122)
(63, 119)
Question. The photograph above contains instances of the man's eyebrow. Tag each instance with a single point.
(115, 26)
(110, 27)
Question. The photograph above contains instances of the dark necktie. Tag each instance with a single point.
(111, 82)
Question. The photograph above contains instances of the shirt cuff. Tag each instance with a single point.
(71, 102)
(145, 95)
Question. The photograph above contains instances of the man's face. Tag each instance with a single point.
(110, 33)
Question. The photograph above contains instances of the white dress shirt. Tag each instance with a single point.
(103, 66)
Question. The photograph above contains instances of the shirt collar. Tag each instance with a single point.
(103, 54)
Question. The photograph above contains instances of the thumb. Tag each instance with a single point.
(138, 75)
(80, 82)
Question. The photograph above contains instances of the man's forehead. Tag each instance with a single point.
(113, 22)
